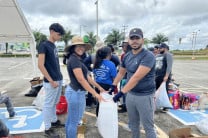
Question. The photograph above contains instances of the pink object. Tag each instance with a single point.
(174, 97)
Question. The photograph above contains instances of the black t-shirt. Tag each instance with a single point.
(161, 65)
(51, 60)
(73, 63)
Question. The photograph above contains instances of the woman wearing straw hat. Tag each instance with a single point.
(75, 91)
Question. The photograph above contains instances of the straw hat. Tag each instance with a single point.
(77, 40)
(99, 44)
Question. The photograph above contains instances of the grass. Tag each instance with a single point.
(190, 57)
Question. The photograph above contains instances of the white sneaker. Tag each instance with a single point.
(126, 127)
(96, 124)
(80, 123)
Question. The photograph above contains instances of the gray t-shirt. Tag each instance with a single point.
(131, 62)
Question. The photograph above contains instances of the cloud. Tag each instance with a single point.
(174, 18)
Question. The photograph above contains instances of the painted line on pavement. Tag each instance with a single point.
(160, 132)
(17, 65)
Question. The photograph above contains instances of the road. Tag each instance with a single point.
(16, 72)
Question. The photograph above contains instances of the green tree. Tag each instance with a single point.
(39, 37)
(114, 37)
(66, 37)
(159, 38)
(146, 42)
(92, 38)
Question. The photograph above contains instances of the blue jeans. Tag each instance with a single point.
(7, 101)
(76, 106)
(52, 96)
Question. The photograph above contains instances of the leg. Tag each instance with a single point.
(133, 114)
(5, 99)
(52, 96)
(75, 100)
(158, 81)
(145, 106)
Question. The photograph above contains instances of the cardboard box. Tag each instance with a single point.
(183, 133)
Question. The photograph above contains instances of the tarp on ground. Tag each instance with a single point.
(14, 27)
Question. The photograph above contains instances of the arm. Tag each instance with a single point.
(80, 78)
(91, 81)
(41, 62)
(138, 75)
(169, 66)
(120, 75)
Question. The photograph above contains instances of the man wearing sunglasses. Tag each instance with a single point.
(139, 64)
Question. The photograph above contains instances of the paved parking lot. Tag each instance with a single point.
(16, 72)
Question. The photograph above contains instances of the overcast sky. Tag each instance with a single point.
(173, 18)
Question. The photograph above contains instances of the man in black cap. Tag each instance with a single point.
(139, 64)
(164, 62)
(48, 63)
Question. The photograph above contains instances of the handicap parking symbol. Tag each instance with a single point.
(27, 120)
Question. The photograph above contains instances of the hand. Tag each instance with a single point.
(99, 97)
(117, 96)
(112, 89)
(54, 84)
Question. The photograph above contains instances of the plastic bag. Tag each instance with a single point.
(203, 101)
(61, 107)
(202, 125)
(108, 117)
(39, 100)
(162, 99)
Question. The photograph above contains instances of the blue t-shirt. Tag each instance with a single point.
(51, 60)
(132, 62)
(105, 73)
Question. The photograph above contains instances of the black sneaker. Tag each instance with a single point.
(123, 109)
(11, 115)
(51, 133)
(164, 110)
(57, 124)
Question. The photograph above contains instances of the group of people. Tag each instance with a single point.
(140, 73)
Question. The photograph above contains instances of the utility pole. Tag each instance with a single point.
(194, 43)
(80, 29)
(124, 30)
(96, 3)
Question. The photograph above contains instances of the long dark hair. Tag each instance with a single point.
(101, 54)
(67, 52)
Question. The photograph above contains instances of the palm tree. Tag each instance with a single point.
(39, 37)
(146, 42)
(66, 37)
(159, 38)
(92, 38)
(115, 37)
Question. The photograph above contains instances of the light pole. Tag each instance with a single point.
(80, 29)
(194, 43)
(96, 3)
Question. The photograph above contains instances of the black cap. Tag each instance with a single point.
(136, 32)
(57, 28)
(163, 45)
